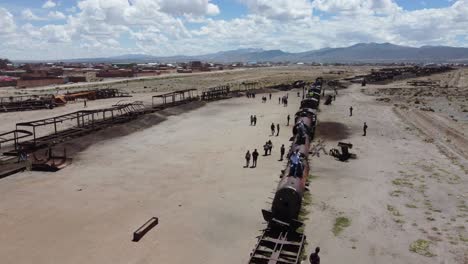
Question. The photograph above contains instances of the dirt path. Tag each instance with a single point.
(443, 132)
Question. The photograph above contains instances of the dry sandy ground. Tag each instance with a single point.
(169, 82)
(400, 189)
(188, 171)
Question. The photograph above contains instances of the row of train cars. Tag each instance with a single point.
(281, 242)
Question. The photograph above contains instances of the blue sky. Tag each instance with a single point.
(54, 29)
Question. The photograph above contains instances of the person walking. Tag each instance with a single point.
(314, 257)
(282, 151)
(277, 129)
(270, 146)
(365, 129)
(272, 129)
(254, 158)
(288, 120)
(351, 111)
(265, 148)
(251, 120)
(254, 120)
(247, 159)
(270, 96)
(279, 100)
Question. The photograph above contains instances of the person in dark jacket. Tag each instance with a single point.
(255, 120)
(270, 146)
(277, 129)
(351, 111)
(365, 129)
(283, 150)
(314, 257)
(247, 159)
(272, 129)
(254, 158)
(289, 118)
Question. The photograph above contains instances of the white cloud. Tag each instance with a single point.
(280, 9)
(27, 14)
(56, 15)
(169, 27)
(7, 24)
(194, 7)
(49, 4)
(354, 7)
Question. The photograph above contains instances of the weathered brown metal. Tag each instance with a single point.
(176, 97)
(216, 93)
(28, 102)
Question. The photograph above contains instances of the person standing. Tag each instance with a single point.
(295, 162)
(265, 148)
(251, 120)
(247, 159)
(283, 150)
(365, 129)
(288, 120)
(314, 257)
(254, 158)
(277, 129)
(85, 103)
(272, 129)
(270, 96)
(279, 100)
(351, 111)
(255, 120)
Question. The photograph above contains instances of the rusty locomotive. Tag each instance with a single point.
(281, 242)
(288, 197)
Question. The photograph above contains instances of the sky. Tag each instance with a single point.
(63, 29)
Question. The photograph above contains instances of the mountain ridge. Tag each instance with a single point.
(357, 53)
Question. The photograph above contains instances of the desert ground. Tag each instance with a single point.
(402, 200)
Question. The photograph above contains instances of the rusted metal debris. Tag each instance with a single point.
(278, 246)
(142, 230)
(385, 75)
(344, 155)
(216, 93)
(49, 101)
(51, 162)
(175, 98)
(25, 103)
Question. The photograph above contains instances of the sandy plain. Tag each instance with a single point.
(404, 196)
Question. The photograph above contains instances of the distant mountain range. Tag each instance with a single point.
(359, 53)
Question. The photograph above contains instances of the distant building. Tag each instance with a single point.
(6, 81)
(28, 83)
(115, 74)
